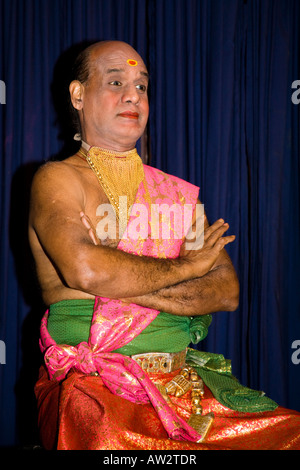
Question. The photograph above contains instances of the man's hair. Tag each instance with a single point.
(80, 72)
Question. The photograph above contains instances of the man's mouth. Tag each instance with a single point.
(129, 115)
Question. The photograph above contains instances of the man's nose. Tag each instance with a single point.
(131, 95)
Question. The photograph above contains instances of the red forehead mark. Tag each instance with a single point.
(132, 62)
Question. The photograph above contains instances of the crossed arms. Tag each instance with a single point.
(198, 282)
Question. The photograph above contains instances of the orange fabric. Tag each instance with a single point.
(80, 413)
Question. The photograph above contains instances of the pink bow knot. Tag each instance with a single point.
(61, 358)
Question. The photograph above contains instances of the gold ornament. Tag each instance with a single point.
(188, 379)
(178, 386)
(119, 174)
(201, 424)
(163, 392)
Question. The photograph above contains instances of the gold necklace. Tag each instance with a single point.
(119, 174)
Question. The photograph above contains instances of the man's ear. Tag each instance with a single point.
(76, 93)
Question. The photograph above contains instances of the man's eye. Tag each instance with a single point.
(142, 88)
(115, 83)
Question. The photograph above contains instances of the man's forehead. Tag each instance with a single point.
(106, 58)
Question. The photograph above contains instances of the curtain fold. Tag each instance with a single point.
(273, 165)
(221, 116)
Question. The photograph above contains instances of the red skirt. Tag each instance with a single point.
(80, 413)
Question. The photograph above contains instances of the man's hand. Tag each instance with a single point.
(88, 225)
(213, 244)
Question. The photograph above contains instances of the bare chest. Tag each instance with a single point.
(100, 211)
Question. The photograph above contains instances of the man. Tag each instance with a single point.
(62, 202)
(99, 397)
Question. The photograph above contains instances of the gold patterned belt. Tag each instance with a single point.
(186, 380)
(160, 362)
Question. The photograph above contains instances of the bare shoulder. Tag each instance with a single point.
(56, 188)
(53, 173)
(56, 179)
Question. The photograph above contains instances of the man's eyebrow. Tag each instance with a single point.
(114, 70)
(145, 74)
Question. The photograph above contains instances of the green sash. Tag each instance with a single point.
(69, 323)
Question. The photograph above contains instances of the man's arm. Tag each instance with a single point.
(217, 290)
(57, 200)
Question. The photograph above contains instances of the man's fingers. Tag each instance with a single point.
(93, 237)
(216, 233)
(224, 241)
(86, 222)
(212, 228)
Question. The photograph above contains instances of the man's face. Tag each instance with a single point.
(115, 106)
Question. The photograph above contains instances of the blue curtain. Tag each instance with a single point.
(221, 117)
